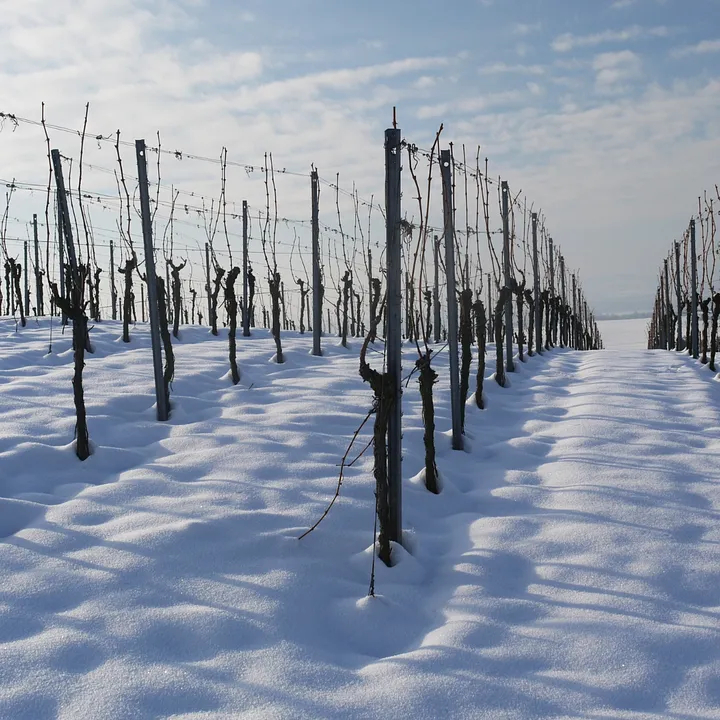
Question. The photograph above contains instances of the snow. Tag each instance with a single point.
(624, 334)
(570, 567)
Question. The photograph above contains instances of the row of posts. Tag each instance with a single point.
(661, 335)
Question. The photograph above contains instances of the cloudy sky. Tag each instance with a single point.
(605, 113)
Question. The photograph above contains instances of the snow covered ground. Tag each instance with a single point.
(624, 334)
(569, 569)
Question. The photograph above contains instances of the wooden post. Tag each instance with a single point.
(436, 290)
(551, 295)
(452, 313)
(668, 305)
(27, 282)
(316, 275)
(393, 341)
(162, 407)
(678, 294)
(113, 291)
(38, 278)
(563, 302)
(693, 290)
(536, 287)
(509, 364)
(207, 284)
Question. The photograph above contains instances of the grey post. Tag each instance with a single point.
(678, 341)
(574, 315)
(668, 305)
(113, 292)
(452, 316)
(490, 313)
(61, 257)
(693, 290)
(207, 283)
(509, 364)
(436, 290)
(246, 309)
(65, 223)
(27, 284)
(536, 287)
(38, 278)
(393, 341)
(162, 408)
(563, 296)
(551, 295)
(370, 289)
(317, 277)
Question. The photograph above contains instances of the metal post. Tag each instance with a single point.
(678, 341)
(38, 278)
(113, 292)
(393, 341)
(551, 294)
(509, 364)
(246, 309)
(436, 290)
(536, 287)
(27, 285)
(162, 408)
(317, 278)
(452, 316)
(693, 290)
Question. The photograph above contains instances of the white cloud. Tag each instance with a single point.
(500, 67)
(526, 28)
(704, 47)
(614, 69)
(568, 41)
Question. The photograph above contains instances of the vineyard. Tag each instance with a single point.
(303, 447)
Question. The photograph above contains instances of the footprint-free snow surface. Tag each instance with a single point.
(570, 568)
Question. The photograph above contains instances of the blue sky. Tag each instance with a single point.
(606, 114)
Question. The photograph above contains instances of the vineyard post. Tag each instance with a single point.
(574, 315)
(370, 289)
(113, 293)
(162, 408)
(693, 290)
(553, 325)
(678, 341)
(452, 317)
(489, 305)
(207, 283)
(509, 365)
(38, 278)
(246, 309)
(436, 290)
(27, 283)
(536, 286)
(393, 341)
(317, 279)
(61, 256)
(563, 300)
(668, 305)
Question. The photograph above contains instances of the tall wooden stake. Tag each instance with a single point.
(693, 290)
(436, 290)
(316, 275)
(509, 364)
(678, 295)
(536, 287)
(162, 407)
